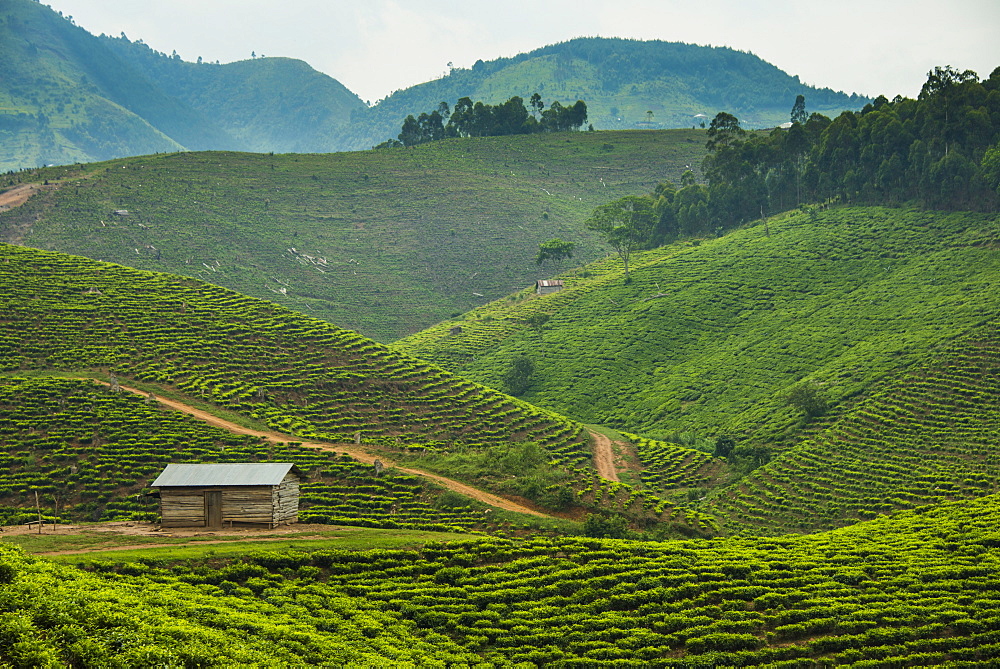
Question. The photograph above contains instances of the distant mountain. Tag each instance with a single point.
(625, 83)
(68, 96)
(264, 104)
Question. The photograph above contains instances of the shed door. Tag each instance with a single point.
(213, 508)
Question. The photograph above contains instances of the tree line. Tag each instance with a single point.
(479, 119)
(939, 151)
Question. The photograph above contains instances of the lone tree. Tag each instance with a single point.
(518, 377)
(626, 224)
(799, 114)
(806, 397)
(555, 250)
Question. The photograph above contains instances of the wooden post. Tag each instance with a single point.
(38, 508)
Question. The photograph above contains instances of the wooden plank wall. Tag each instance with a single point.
(251, 504)
(286, 500)
(183, 507)
(267, 505)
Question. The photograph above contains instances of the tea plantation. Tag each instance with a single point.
(931, 435)
(917, 589)
(294, 373)
(708, 339)
(90, 453)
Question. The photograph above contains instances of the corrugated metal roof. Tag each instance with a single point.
(549, 283)
(250, 473)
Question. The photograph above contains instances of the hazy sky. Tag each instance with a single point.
(377, 46)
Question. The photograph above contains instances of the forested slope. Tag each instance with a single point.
(67, 96)
(70, 96)
(621, 81)
(265, 105)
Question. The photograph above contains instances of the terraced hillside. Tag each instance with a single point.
(931, 435)
(918, 589)
(709, 337)
(386, 242)
(296, 374)
(90, 453)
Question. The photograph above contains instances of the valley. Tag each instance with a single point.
(752, 419)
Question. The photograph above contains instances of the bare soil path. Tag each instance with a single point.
(18, 195)
(604, 456)
(352, 450)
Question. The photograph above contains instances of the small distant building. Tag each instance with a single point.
(216, 495)
(455, 329)
(120, 212)
(546, 286)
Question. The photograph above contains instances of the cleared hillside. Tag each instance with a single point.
(709, 338)
(386, 242)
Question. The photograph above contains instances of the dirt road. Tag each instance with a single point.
(604, 456)
(352, 450)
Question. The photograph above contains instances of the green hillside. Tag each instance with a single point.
(709, 337)
(293, 373)
(929, 436)
(266, 104)
(386, 242)
(90, 452)
(918, 589)
(289, 372)
(67, 96)
(625, 83)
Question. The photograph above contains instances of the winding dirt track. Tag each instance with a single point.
(604, 456)
(352, 450)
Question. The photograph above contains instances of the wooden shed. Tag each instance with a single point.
(546, 286)
(217, 495)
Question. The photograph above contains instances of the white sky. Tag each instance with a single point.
(377, 46)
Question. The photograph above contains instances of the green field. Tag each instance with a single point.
(385, 242)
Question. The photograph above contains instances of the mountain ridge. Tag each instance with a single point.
(113, 97)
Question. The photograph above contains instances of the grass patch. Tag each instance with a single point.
(234, 546)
